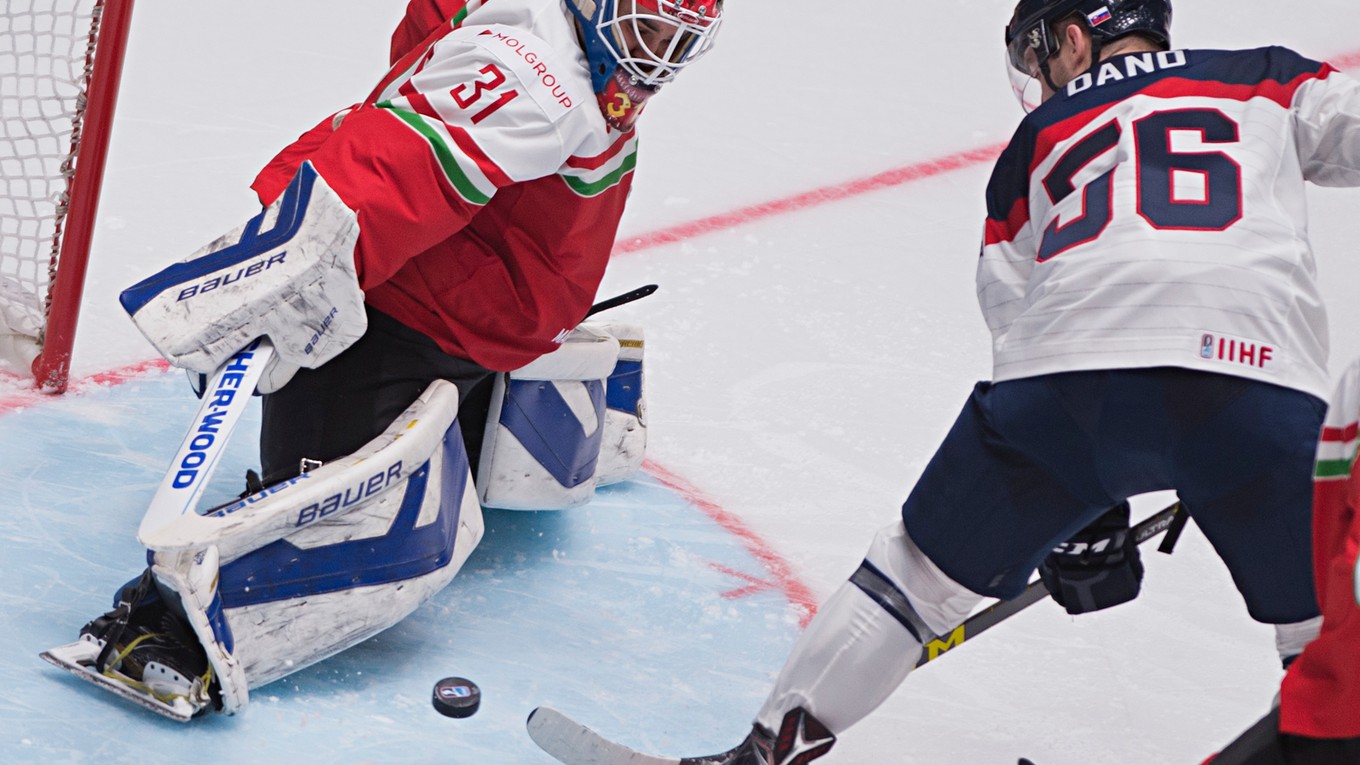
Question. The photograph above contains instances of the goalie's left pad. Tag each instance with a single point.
(288, 274)
(568, 422)
(306, 568)
(625, 408)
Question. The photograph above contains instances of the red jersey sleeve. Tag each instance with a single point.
(1320, 694)
(422, 19)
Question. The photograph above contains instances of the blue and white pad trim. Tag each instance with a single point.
(550, 429)
(312, 566)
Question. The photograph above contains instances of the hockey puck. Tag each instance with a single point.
(456, 697)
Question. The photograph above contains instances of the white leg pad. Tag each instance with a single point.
(313, 566)
(342, 580)
(571, 421)
(277, 638)
(942, 602)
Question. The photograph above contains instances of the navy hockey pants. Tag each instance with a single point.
(1030, 462)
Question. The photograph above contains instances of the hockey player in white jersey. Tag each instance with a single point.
(1156, 325)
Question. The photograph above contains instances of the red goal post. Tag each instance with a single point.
(60, 63)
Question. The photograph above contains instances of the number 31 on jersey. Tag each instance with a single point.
(469, 95)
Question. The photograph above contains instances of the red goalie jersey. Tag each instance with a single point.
(1318, 720)
(1320, 696)
(487, 185)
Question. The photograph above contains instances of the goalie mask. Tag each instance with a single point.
(1030, 39)
(633, 47)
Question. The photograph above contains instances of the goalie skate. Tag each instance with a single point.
(143, 652)
(80, 659)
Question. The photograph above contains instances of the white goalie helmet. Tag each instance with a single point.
(633, 47)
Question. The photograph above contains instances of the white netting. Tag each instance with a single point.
(45, 53)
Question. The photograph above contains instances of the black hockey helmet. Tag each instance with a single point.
(1030, 40)
(1031, 28)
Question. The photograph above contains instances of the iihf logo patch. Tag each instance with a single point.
(1218, 347)
(1099, 17)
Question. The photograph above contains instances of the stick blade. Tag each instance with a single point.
(572, 743)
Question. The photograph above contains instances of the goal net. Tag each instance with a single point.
(59, 66)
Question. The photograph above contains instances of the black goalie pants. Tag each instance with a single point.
(326, 413)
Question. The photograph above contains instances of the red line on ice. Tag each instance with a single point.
(814, 198)
(778, 568)
(753, 584)
(107, 378)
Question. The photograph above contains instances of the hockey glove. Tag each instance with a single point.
(1098, 568)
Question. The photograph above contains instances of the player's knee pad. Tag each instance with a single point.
(288, 274)
(905, 581)
(566, 423)
(892, 608)
(310, 567)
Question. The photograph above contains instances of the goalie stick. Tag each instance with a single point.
(225, 397)
(618, 300)
(572, 743)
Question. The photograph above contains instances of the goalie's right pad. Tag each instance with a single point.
(373, 536)
(288, 274)
(270, 584)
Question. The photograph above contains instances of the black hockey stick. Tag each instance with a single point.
(1171, 517)
(615, 302)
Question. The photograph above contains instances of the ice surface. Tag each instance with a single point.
(802, 368)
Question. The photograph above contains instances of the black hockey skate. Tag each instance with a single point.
(802, 738)
(142, 651)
